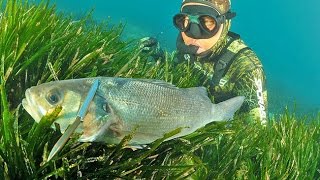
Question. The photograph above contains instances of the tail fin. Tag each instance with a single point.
(225, 110)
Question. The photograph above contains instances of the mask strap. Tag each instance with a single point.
(230, 15)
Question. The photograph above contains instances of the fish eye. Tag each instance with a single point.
(106, 108)
(53, 97)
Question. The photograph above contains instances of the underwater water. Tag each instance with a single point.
(284, 34)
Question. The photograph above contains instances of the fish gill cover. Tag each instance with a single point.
(38, 45)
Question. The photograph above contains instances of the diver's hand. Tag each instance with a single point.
(151, 46)
(148, 44)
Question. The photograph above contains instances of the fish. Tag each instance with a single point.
(148, 108)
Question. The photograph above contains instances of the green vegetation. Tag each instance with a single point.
(38, 45)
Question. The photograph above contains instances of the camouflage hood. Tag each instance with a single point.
(217, 48)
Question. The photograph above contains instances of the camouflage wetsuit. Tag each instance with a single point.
(244, 76)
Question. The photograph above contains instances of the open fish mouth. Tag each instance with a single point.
(31, 106)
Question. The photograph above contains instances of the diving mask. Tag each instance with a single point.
(200, 21)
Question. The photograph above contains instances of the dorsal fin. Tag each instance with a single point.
(159, 83)
(201, 91)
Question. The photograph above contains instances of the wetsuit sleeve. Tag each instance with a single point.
(251, 83)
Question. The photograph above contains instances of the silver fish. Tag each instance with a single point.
(149, 108)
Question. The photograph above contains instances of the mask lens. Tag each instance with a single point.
(181, 21)
(208, 23)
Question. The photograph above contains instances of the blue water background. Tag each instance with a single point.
(284, 34)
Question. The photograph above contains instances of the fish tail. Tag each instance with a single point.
(226, 109)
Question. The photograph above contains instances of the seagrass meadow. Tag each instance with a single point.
(38, 45)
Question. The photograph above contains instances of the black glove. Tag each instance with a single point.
(151, 45)
(147, 44)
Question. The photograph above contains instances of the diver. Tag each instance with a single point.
(230, 68)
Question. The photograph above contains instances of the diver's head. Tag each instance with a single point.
(203, 23)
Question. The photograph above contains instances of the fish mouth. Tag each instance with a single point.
(31, 106)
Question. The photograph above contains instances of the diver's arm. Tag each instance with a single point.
(252, 84)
